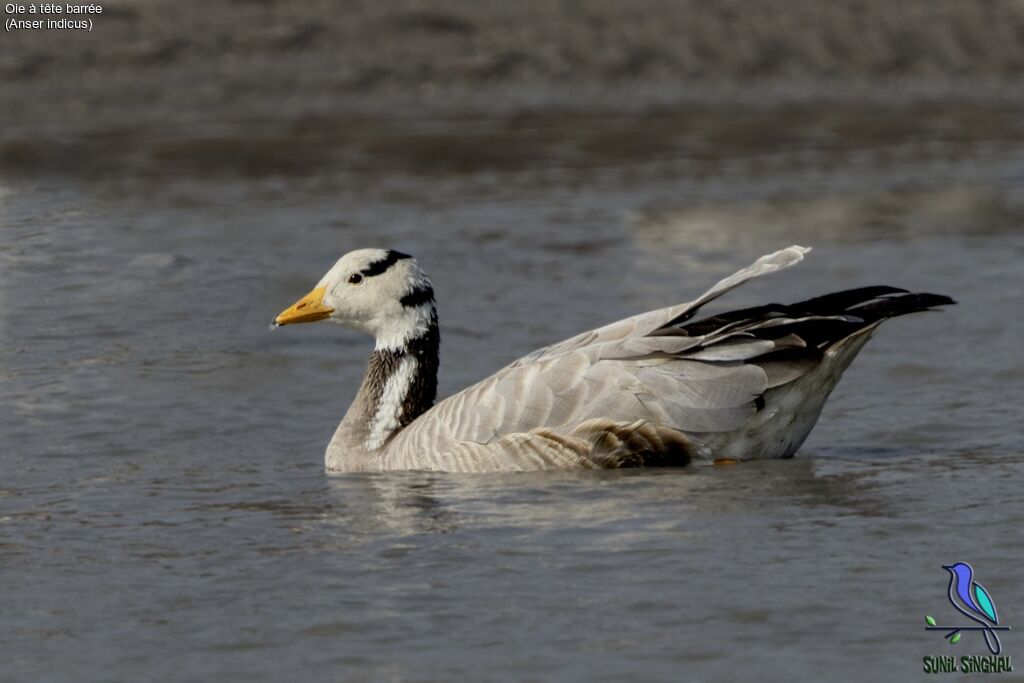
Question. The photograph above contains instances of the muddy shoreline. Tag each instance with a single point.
(699, 140)
(262, 87)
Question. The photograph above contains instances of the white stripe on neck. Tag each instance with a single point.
(389, 410)
(395, 334)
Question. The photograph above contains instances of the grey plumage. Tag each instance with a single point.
(665, 387)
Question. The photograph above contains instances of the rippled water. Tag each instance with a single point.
(164, 514)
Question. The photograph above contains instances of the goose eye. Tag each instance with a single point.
(355, 278)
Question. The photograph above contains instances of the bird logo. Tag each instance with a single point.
(974, 602)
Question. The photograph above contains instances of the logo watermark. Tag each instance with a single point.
(970, 599)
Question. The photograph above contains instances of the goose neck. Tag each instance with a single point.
(400, 384)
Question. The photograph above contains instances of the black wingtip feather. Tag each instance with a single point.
(830, 304)
(893, 305)
(821, 321)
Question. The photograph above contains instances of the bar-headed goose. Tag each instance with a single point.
(661, 388)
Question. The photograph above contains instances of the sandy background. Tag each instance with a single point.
(267, 86)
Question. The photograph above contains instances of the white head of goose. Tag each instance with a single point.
(664, 387)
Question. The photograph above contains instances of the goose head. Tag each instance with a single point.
(380, 292)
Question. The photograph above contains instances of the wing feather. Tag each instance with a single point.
(661, 369)
(645, 323)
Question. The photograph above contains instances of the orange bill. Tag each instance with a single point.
(309, 308)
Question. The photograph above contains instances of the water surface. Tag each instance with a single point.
(164, 514)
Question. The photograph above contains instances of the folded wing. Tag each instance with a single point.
(587, 399)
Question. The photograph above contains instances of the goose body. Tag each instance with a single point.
(666, 387)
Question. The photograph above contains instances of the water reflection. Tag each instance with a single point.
(845, 216)
(398, 504)
(626, 506)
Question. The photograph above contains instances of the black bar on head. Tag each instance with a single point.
(421, 295)
(378, 267)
